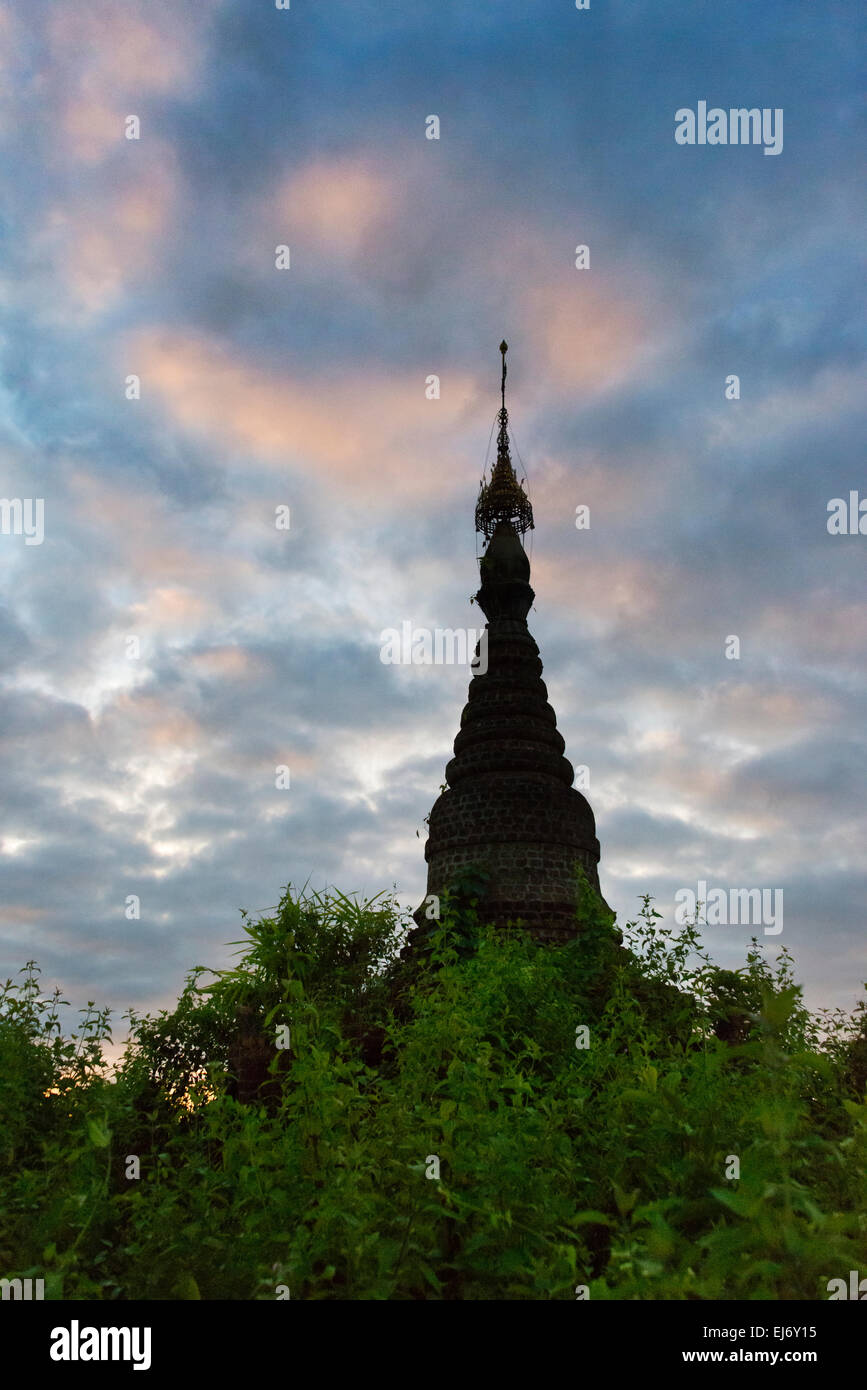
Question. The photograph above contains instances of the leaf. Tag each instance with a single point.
(778, 1008)
(737, 1202)
(187, 1288)
(591, 1218)
(98, 1133)
(625, 1201)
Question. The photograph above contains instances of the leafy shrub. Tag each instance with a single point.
(559, 1164)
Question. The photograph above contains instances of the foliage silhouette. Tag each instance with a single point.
(560, 1165)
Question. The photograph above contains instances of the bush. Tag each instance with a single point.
(611, 1165)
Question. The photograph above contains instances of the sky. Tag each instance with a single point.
(147, 768)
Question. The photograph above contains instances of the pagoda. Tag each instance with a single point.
(509, 813)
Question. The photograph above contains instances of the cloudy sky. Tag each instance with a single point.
(305, 387)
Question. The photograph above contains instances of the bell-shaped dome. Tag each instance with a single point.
(505, 573)
(505, 557)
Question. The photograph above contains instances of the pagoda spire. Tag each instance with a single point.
(508, 807)
(503, 499)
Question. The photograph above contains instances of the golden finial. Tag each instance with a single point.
(503, 499)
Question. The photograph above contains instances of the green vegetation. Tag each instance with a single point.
(560, 1165)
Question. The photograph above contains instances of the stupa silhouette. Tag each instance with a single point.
(509, 814)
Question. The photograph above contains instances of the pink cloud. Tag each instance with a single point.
(158, 549)
(15, 913)
(626, 592)
(107, 59)
(583, 336)
(102, 241)
(824, 628)
(226, 663)
(337, 204)
(152, 723)
(172, 610)
(367, 429)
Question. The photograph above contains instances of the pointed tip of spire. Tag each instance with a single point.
(504, 348)
(503, 499)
